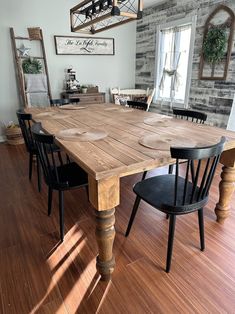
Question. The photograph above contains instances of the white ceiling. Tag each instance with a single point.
(149, 3)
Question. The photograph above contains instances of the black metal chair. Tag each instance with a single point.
(191, 115)
(59, 102)
(25, 123)
(137, 105)
(57, 177)
(180, 195)
(74, 100)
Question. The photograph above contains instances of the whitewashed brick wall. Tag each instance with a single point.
(213, 97)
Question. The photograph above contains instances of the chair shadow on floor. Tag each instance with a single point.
(72, 275)
(69, 281)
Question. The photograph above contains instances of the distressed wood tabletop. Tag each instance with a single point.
(120, 153)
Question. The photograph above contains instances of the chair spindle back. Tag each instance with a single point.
(25, 123)
(190, 115)
(49, 161)
(137, 105)
(196, 188)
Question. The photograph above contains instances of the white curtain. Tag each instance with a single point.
(173, 56)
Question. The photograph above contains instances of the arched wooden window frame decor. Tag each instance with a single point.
(229, 23)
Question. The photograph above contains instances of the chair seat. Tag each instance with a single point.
(159, 192)
(73, 175)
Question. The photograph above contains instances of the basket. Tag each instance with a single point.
(14, 136)
(34, 33)
(94, 89)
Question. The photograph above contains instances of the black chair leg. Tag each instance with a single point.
(134, 211)
(170, 242)
(201, 228)
(60, 158)
(144, 175)
(170, 169)
(61, 213)
(50, 191)
(30, 165)
(39, 173)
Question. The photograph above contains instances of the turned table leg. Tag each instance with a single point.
(105, 234)
(104, 195)
(226, 186)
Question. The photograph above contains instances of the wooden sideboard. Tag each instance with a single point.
(88, 98)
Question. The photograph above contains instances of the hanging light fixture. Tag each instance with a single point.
(102, 6)
(94, 16)
(94, 10)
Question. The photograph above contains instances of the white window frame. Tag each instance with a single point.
(188, 20)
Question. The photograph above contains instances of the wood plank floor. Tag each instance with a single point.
(40, 275)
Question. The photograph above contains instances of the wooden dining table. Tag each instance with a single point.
(123, 152)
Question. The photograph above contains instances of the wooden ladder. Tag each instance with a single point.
(19, 69)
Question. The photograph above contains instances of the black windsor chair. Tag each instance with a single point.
(59, 102)
(26, 122)
(137, 105)
(61, 177)
(189, 115)
(178, 195)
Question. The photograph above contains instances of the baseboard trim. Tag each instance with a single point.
(2, 138)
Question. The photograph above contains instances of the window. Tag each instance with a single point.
(174, 62)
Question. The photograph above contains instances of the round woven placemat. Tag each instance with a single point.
(111, 109)
(164, 142)
(71, 107)
(157, 121)
(51, 115)
(79, 135)
(124, 110)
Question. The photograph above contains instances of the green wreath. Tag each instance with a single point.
(32, 66)
(214, 45)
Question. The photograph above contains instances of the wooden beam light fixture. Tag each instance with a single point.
(94, 16)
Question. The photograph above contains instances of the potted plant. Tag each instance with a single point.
(13, 134)
(84, 89)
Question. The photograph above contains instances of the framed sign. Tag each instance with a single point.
(74, 45)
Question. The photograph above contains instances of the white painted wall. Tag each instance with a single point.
(53, 17)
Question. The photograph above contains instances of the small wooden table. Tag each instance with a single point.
(120, 155)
